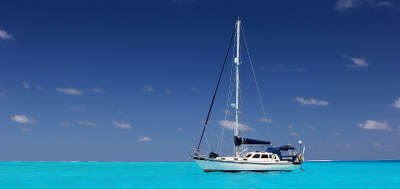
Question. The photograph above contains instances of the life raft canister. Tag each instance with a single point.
(300, 157)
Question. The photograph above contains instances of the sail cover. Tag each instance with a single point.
(247, 141)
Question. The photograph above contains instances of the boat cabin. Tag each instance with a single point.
(261, 156)
(254, 157)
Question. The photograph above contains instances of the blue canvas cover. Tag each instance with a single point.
(247, 141)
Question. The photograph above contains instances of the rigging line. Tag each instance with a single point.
(215, 92)
(258, 89)
(209, 149)
(230, 91)
(226, 110)
(212, 132)
(242, 111)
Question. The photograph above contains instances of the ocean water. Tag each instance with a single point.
(349, 174)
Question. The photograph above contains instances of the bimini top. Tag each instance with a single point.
(285, 147)
(247, 141)
(277, 150)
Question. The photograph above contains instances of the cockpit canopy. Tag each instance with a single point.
(277, 150)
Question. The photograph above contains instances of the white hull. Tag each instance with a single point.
(209, 165)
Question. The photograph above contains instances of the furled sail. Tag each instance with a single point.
(247, 141)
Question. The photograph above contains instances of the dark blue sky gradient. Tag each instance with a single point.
(299, 49)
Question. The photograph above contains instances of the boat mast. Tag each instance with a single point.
(237, 62)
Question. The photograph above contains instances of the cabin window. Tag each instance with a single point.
(248, 155)
(256, 156)
(264, 156)
(271, 156)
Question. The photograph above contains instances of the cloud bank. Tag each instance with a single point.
(343, 5)
(70, 91)
(23, 119)
(311, 102)
(356, 62)
(120, 125)
(264, 120)
(144, 139)
(230, 125)
(4, 35)
(396, 103)
(375, 125)
(86, 123)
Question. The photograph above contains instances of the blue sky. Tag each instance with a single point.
(132, 81)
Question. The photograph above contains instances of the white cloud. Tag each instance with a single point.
(169, 92)
(86, 123)
(70, 91)
(356, 62)
(121, 125)
(148, 88)
(342, 5)
(375, 125)
(98, 90)
(65, 124)
(22, 119)
(264, 120)
(384, 4)
(180, 129)
(290, 126)
(25, 85)
(5, 35)
(359, 62)
(344, 146)
(312, 127)
(230, 125)
(294, 134)
(144, 139)
(396, 103)
(376, 144)
(311, 102)
(380, 145)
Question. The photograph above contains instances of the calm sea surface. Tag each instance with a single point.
(351, 174)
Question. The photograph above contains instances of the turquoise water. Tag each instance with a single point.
(368, 174)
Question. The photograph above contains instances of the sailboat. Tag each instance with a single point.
(271, 158)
